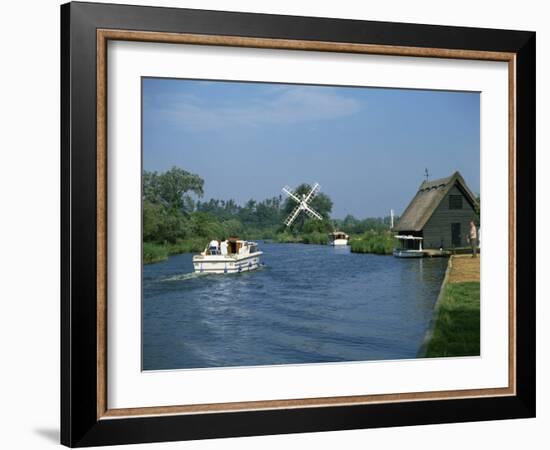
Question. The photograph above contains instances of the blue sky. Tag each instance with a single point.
(367, 147)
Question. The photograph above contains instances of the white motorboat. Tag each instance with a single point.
(338, 238)
(409, 247)
(231, 256)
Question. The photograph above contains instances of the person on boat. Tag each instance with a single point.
(214, 247)
(223, 247)
(473, 238)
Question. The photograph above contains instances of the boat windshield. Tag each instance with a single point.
(338, 235)
(230, 246)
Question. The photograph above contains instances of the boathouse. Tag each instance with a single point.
(440, 213)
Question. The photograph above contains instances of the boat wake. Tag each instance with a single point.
(194, 275)
(184, 276)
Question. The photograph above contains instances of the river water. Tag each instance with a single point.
(309, 304)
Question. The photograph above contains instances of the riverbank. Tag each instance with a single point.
(379, 243)
(456, 325)
(153, 252)
(315, 238)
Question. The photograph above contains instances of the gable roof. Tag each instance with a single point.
(427, 199)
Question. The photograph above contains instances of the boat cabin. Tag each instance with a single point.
(338, 238)
(409, 246)
(409, 242)
(338, 235)
(234, 245)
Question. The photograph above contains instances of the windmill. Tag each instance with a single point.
(303, 204)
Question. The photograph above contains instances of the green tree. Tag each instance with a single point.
(247, 213)
(152, 220)
(161, 224)
(205, 225)
(317, 226)
(268, 212)
(350, 224)
(172, 188)
(232, 227)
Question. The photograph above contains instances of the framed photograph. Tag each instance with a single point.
(276, 224)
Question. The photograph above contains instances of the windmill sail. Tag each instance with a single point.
(302, 204)
(313, 192)
(289, 192)
(312, 213)
(292, 216)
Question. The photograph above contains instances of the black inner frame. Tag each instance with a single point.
(79, 424)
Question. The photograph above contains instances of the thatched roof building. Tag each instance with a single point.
(440, 212)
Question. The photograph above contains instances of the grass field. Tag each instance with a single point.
(456, 330)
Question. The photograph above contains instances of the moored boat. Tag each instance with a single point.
(231, 256)
(338, 238)
(409, 247)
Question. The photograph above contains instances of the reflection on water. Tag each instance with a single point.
(309, 304)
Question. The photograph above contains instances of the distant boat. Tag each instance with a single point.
(232, 256)
(409, 247)
(337, 238)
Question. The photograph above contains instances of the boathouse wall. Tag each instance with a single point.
(438, 231)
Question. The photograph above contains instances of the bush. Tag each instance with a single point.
(315, 238)
(380, 243)
(187, 246)
(316, 226)
(154, 252)
(287, 238)
(161, 224)
(204, 225)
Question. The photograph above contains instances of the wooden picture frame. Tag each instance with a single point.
(86, 418)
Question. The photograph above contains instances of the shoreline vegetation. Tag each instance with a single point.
(456, 325)
(378, 243)
(176, 221)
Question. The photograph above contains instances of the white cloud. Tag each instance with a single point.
(281, 105)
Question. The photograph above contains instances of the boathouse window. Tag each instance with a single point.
(455, 201)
